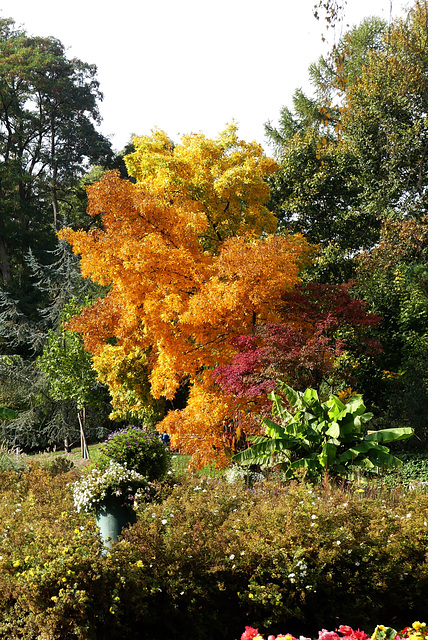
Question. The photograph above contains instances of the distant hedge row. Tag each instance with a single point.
(208, 559)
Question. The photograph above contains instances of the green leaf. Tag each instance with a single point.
(273, 429)
(381, 458)
(333, 430)
(327, 455)
(354, 452)
(7, 414)
(389, 435)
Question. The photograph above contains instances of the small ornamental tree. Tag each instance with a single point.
(324, 336)
(140, 450)
(70, 371)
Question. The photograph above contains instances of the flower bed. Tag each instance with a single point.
(418, 631)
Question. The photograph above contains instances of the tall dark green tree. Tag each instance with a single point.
(354, 178)
(48, 117)
(357, 151)
(393, 279)
(318, 189)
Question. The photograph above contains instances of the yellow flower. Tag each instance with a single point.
(139, 563)
(54, 598)
(418, 625)
(16, 563)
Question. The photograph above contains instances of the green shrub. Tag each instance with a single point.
(140, 450)
(413, 473)
(58, 465)
(209, 559)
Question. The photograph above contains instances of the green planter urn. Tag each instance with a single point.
(112, 517)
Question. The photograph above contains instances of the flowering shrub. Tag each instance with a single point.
(116, 480)
(140, 450)
(235, 473)
(207, 557)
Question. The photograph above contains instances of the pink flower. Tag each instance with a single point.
(327, 635)
(249, 633)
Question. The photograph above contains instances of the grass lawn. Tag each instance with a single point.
(180, 462)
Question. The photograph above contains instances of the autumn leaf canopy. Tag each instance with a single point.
(190, 258)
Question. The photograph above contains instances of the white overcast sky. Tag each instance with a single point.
(190, 65)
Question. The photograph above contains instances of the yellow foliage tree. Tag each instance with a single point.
(191, 260)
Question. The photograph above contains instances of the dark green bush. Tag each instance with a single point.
(58, 465)
(139, 449)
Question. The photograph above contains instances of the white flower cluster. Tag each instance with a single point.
(116, 480)
(236, 473)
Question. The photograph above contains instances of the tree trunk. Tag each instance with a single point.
(4, 262)
(83, 445)
(54, 197)
(67, 446)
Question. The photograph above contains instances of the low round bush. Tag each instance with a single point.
(138, 449)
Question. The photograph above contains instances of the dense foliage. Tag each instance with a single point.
(49, 112)
(203, 284)
(48, 117)
(191, 260)
(319, 438)
(138, 449)
(208, 559)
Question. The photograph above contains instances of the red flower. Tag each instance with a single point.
(350, 634)
(249, 633)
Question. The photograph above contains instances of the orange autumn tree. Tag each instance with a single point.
(191, 258)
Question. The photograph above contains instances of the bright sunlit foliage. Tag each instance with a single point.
(189, 254)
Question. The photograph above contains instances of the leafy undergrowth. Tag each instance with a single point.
(208, 558)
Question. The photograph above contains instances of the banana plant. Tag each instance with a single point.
(320, 436)
(7, 414)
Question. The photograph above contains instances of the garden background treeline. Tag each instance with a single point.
(352, 178)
